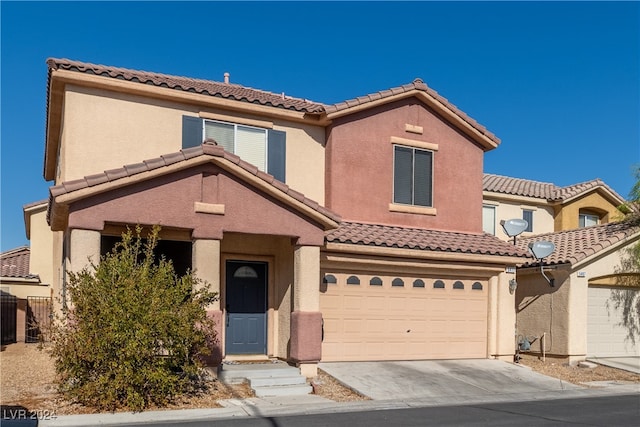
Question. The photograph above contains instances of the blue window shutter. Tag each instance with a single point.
(277, 154)
(191, 131)
(403, 175)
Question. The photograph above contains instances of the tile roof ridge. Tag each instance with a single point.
(533, 181)
(55, 63)
(15, 251)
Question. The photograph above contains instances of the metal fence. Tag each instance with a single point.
(8, 316)
(37, 319)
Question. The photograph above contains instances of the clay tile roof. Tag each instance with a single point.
(166, 160)
(15, 263)
(186, 84)
(575, 245)
(416, 238)
(419, 85)
(541, 190)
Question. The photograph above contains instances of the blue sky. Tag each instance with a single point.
(559, 83)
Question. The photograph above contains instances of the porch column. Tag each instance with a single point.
(306, 318)
(83, 248)
(206, 266)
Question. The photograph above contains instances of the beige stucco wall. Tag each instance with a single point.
(501, 318)
(543, 221)
(41, 246)
(567, 217)
(24, 288)
(560, 311)
(104, 130)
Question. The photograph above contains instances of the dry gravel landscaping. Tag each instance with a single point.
(27, 373)
(27, 380)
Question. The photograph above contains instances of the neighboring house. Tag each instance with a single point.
(580, 314)
(350, 231)
(22, 296)
(545, 206)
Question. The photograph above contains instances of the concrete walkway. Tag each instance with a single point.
(631, 364)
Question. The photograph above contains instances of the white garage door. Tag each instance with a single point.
(404, 318)
(606, 337)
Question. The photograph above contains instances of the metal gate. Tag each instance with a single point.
(9, 311)
(37, 318)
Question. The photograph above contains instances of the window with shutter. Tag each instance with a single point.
(412, 176)
(263, 148)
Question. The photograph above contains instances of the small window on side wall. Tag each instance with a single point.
(438, 284)
(527, 215)
(458, 285)
(477, 286)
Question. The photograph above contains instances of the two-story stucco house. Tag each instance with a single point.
(580, 315)
(350, 231)
(545, 206)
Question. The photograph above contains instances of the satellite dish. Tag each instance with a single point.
(541, 249)
(513, 227)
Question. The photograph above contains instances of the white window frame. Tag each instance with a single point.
(235, 136)
(582, 219)
(493, 223)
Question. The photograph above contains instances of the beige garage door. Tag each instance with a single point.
(403, 318)
(606, 335)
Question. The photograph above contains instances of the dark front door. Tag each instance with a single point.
(246, 305)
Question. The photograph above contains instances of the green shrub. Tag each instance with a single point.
(135, 332)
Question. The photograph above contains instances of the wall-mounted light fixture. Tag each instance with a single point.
(513, 285)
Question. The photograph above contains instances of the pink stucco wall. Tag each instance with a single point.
(169, 201)
(359, 176)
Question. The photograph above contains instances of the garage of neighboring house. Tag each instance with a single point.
(381, 308)
(606, 334)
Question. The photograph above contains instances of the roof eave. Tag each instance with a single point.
(483, 140)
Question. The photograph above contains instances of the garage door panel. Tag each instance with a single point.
(403, 323)
(606, 337)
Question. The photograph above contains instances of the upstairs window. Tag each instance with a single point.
(263, 148)
(588, 219)
(527, 215)
(489, 219)
(412, 176)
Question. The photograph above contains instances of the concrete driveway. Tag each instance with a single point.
(455, 379)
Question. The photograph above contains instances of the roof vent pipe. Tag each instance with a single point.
(226, 78)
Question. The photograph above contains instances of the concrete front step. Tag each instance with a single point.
(239, 373)
(277, 381)
(282, 390)
(267, 379)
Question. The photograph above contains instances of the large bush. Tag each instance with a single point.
(134, 332)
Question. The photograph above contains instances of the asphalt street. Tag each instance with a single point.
(620, 410)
